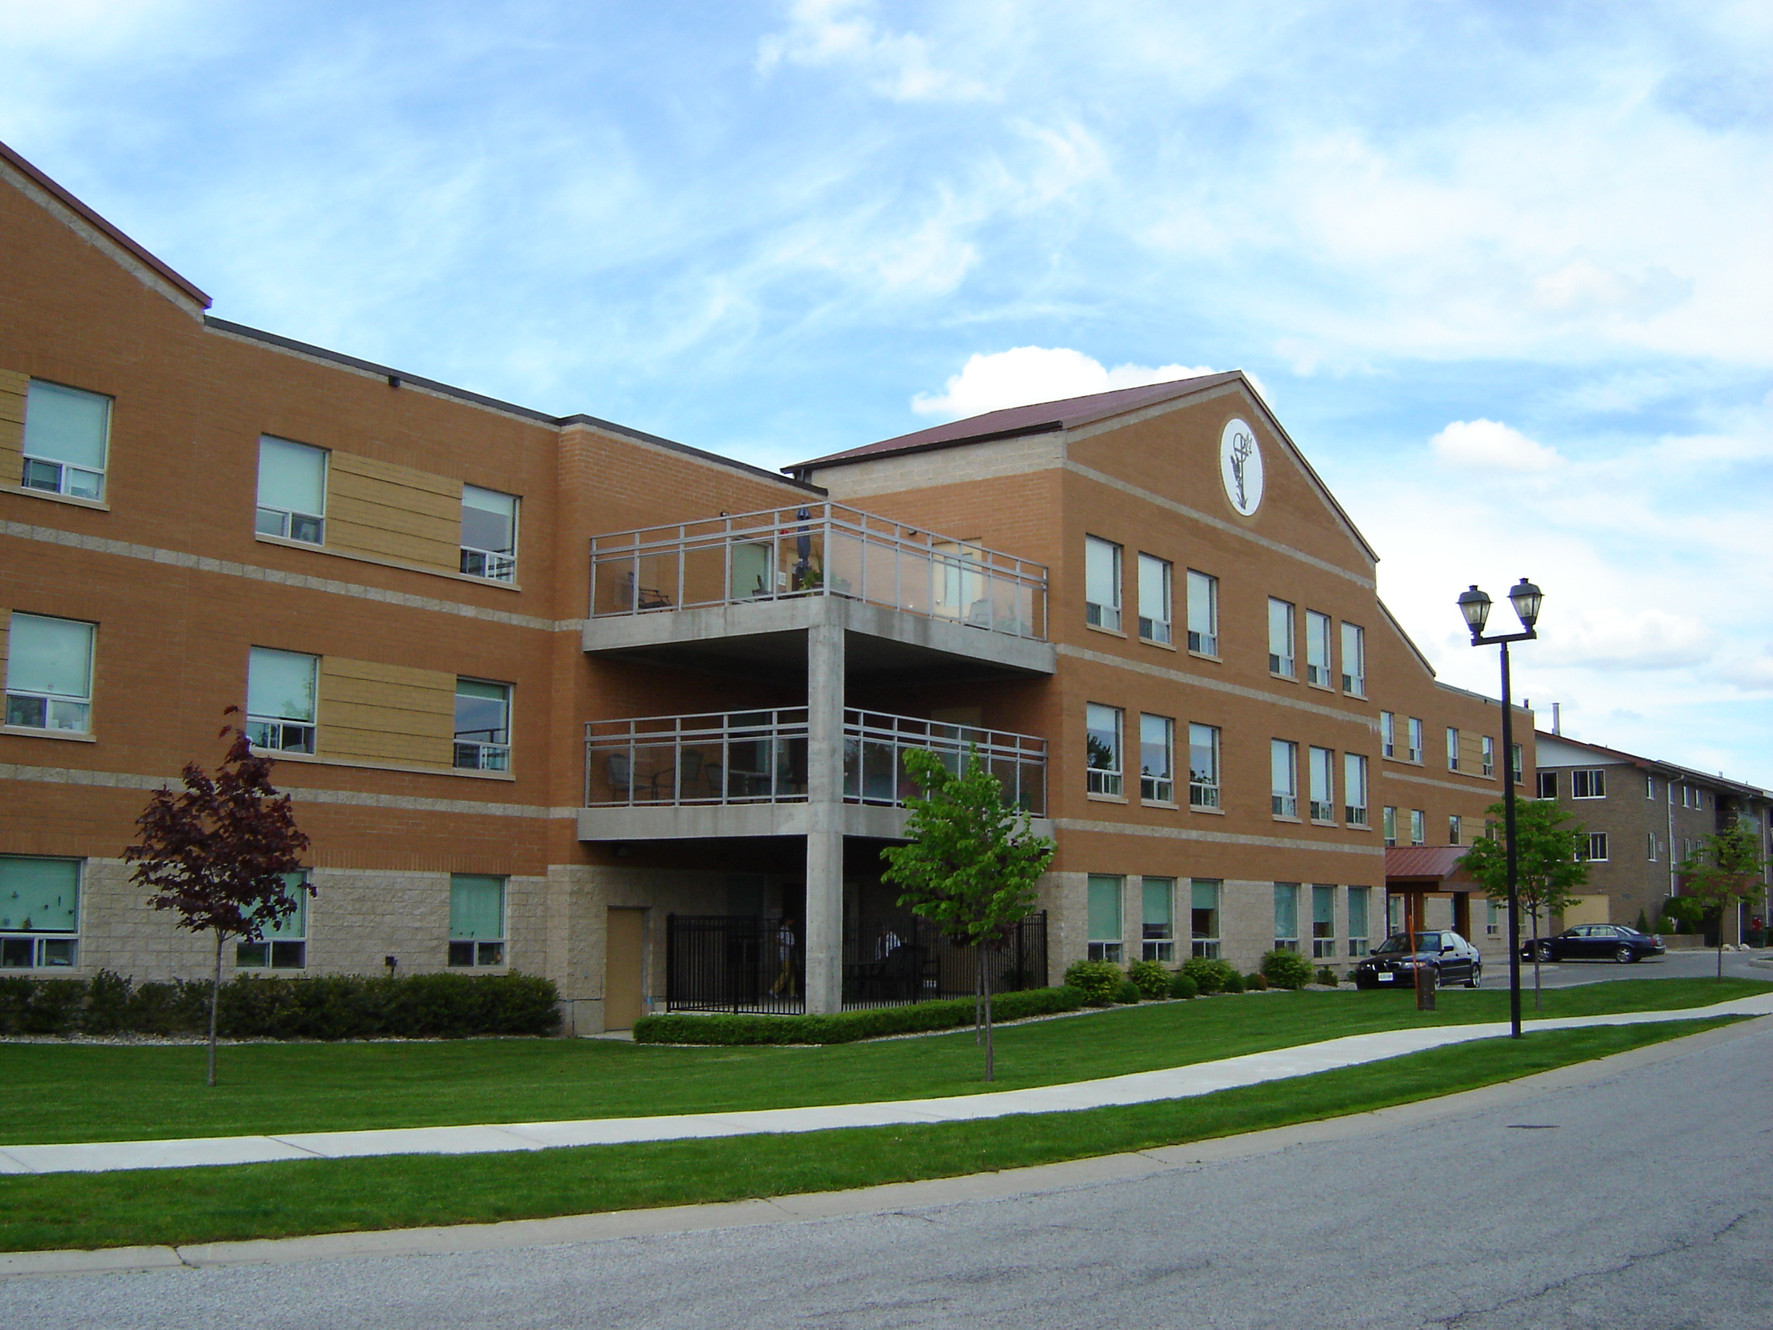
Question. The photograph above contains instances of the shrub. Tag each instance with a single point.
(1152, 979)
(1643, 924)
(846, 1027)
(1255, 982)
(1181, 986)
(1210, 976)
(1328, 977)
(1284, 969)
(1099, 980)
(1128, 993)
(1233, 981)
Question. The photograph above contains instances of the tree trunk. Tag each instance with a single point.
(1536, 1003)
(215, 993)
(978, 999)
(985, 988)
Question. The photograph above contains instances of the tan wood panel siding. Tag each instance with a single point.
(393, 512)
(13, 387)
(385, 713)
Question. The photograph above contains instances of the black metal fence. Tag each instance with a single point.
(750, 963)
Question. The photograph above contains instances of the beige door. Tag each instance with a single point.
(624, 969)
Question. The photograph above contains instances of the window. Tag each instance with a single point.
(1317, 648)
(285, 943)
(1322, 766)
(1388, 822)
(483, 725)
(1354, 660)
(1359, 903)
(1418, 827)
(1516, 766)
(1495, 915)
(292, 490)
(39, 912)
(280, 700)
(1415, 739)
(1280, 637)
(1203, 613)
(489, 534)
(1649, 787)
(1595, 850)
(1387, 734)
(1101, 583)
(1104, 917)
(1354, 789)
(1323, 922)
(67, 435)
(1158, 924)
(1548, 784)
(1286, 916)
(1157, 776)
(1452, 749)
(1590, 784)
(1489, 756)
(1154, 599)
(1102, 748)
(49, 674)
(1651, 849)
(1454, 829)
(1203, 917)
(1203, 766)
(476, 919)
(1284, 783)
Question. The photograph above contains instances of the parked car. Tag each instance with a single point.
(1394, 961)
(1595, 942)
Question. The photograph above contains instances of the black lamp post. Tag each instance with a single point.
(1475, 606)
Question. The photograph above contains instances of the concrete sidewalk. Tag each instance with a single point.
(1138, 1088)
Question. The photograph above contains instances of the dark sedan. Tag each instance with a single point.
(1446, 955)
(1595, 942)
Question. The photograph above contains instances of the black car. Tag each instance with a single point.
(1448, 956)
(1595, 942)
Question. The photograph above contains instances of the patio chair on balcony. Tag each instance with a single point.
(642, 597)
(689, 769)
(621, 776)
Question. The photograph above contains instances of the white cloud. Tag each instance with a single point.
(897, 65)
(1648, 639)
(1027, 374)
(1490, 445)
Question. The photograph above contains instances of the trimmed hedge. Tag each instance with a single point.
(1285, 969)
(1100, 981)
(1211, 976)
(419, 1006)
(1153, 980)
(849, 1026)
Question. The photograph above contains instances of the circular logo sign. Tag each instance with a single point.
(1240, 466)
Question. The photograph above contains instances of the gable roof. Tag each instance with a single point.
(1654, 765)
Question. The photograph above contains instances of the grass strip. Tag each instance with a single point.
(84, 1092)
(179, 1206)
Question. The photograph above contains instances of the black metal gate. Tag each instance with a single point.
(733, 962)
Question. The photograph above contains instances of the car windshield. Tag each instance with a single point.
(1400, 942)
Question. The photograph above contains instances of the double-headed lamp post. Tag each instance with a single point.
(1475, 606)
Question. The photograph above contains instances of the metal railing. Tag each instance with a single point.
(754, 757)
(817, 549)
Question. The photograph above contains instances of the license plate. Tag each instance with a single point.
(1386, 978)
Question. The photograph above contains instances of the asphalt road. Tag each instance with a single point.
(1643, 1198)
(1672, 965)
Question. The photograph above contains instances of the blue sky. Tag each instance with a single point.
(1502, 270)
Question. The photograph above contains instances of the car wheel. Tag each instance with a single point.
(1544, 952)
(1624, 955)
(1477, 976)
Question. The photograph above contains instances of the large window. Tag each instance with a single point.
(284, 945)
(1157, 745)
(1104, 917)
(1203, 766)
(39, 912)
(1489, 756)
(280, 687)
(1354, 789)
(476, 919)
(1157, 928)
(1323, 922)
(1203, 916)
(1322, 792)
(1652, 848)
(1455, 829)
(1516, 759)
(1415, 732)
(1154, 599)
(1281, 635)
(1283, 761)
(1593, 847)
(1452, 749)
(1387, 734)
(292, 491)
(1354, 660)
(1589, 784)
(1388, 820)
(1203, 613)
(1101, 583)
(1360, 902)
(1495, 916)
(483, 725)
(1418, 827)
(1102, 748)
(67, 436)
(1286, 916)
(49, 674)
(1548, 784)
(489, 534)
(1317, 648)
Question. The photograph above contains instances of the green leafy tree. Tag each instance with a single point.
(1725, 871)
(218, 854)
(1546, 865)
(970, 865)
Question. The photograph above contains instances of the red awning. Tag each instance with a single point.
(1427, 867)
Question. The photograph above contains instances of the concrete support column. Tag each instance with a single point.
(824, 836)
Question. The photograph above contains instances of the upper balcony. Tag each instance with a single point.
(768, 575)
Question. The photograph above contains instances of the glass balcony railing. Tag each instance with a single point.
(760, 757)
(818, 549)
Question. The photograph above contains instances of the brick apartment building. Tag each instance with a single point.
(558, 695)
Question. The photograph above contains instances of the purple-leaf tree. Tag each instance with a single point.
(219, 853)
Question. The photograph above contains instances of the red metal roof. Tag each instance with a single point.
(1424, 862)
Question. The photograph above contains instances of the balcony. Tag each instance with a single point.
(744, 773)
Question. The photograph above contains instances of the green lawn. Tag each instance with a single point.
(83, 1092)
(323, 1196)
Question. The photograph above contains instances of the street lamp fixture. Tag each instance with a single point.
(1474, 605)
